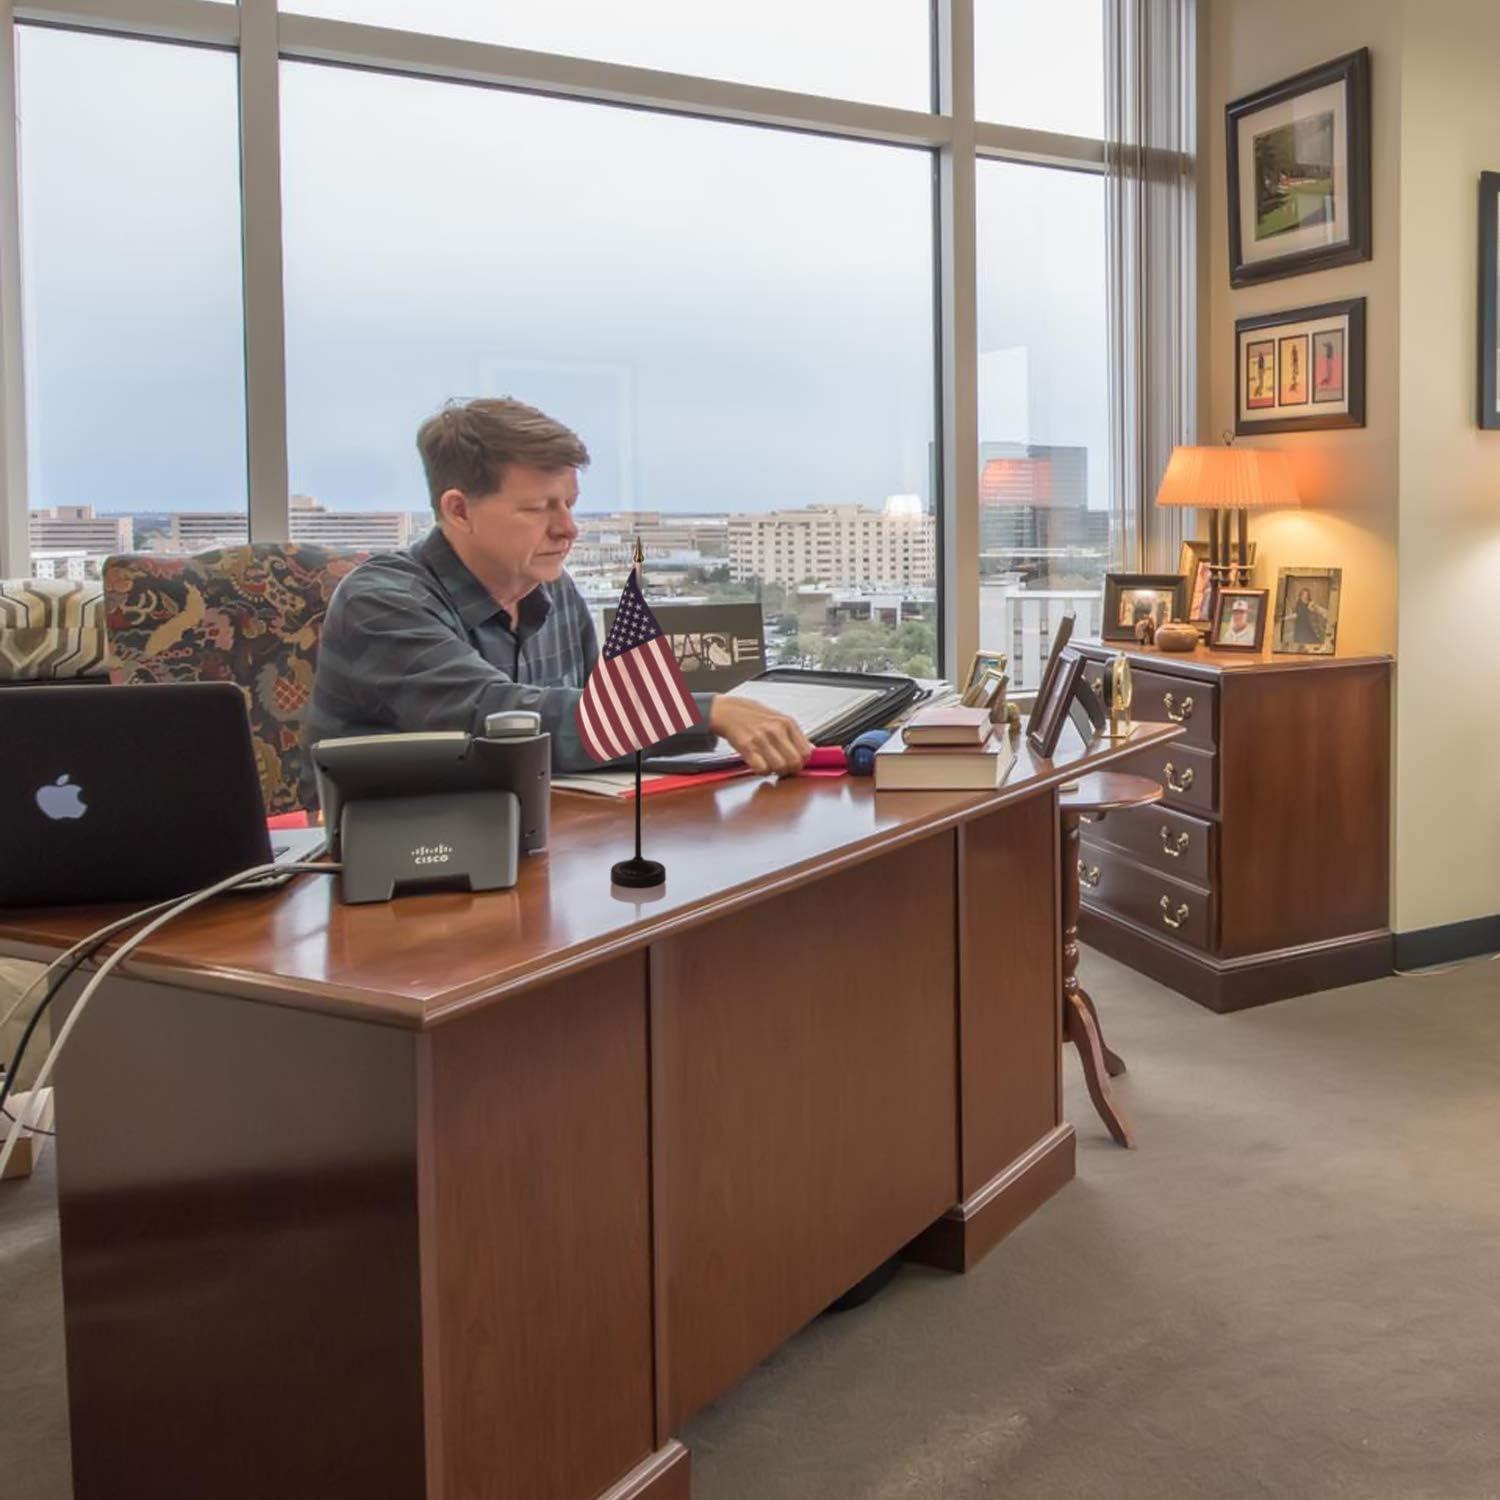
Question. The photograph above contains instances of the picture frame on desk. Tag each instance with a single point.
(1240, 620)
(1130, 598)
(1198, 584)
(1307, 611)
(1053, 704)
(985, 664)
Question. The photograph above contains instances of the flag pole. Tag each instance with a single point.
(638, 873)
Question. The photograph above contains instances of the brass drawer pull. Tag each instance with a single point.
(1170, 704)
(1088, 874)
(1177, 783)
(1167, 915)
(1175, 847)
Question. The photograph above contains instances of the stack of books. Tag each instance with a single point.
(948, 748)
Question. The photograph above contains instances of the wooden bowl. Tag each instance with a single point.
(1177, 637)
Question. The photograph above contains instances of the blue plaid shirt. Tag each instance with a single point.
(413, 640)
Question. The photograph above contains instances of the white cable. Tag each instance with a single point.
(26, 1118)
(96, 936)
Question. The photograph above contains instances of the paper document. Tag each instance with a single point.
(816, 706)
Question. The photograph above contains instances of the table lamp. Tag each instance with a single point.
(1225, 479)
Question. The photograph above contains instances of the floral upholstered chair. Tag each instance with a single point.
(250, 615)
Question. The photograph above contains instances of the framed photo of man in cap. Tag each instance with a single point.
(1240, 620)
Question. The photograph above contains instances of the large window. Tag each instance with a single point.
(738, 321)
(134, 352)
(1045, 512)
(874, 50)
(1040, 63)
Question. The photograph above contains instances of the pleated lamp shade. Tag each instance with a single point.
(1226, 478)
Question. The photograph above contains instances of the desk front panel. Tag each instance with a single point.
(804, 1108)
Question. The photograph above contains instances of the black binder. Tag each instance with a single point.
(897, 694)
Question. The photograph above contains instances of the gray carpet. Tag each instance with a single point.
(1291, 1289)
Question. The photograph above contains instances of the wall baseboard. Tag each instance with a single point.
(1442, 945)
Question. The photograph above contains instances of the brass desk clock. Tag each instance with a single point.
(1121, 692)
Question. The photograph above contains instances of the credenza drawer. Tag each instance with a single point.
(1173, 843)
(1187, 776)
(1108, 878)
(1161, 699)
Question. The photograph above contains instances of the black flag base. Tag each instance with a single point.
(638, 874)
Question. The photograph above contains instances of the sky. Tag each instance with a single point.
(733, 318)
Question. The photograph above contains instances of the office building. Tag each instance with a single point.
(835, 546)
(1110, 1119)
(69, 528)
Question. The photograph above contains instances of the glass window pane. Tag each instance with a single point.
(737, 321)
(1045, 515)
(131, 294)
(877, 51)
(1041, 66)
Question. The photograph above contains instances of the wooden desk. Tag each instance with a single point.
(482, 1197)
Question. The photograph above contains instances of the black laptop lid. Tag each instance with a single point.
(125, 793)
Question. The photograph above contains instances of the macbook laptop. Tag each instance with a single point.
(130, 793)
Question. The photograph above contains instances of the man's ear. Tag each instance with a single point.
(453, 507)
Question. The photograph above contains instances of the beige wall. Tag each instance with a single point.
(1448, 719)
(1348, 480)
(1420, 473)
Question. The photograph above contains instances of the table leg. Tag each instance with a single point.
(1080, 1020)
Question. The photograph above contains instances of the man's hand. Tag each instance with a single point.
(765, 740)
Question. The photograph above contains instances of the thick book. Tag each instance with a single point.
(900, 767)
(952, 724)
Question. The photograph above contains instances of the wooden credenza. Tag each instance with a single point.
(1264, 872)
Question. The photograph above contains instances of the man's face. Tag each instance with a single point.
(519, 535)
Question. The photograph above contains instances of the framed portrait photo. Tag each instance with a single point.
(1197, 581)
(1302, 370)
(1489, 299)
(1307, 611)
(1299, 173)
(1239, 620)
(1130, 598)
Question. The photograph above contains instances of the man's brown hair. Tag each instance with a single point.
(469, 444)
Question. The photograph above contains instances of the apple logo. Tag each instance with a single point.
(61, 799)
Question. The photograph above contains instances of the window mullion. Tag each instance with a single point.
(14, 542)
(265, 319)
(958, 338)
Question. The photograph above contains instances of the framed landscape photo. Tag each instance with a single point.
(1130, 598)
(1239, 620)
(1307, 611)
(1299, 173)
(1489, 299)
(1302, 370)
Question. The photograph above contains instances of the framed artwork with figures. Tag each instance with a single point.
(1302, 370)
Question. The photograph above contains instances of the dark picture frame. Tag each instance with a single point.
(1310, 627)
(1117, 585)
(1320, 351)
(1489, 298)
(1060, 638)
(1223, 614)
(1051, 710)
(1292, 157)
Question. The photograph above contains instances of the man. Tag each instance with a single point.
(1239, 631)
(480, 616)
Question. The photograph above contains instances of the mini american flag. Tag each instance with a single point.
(635, 695)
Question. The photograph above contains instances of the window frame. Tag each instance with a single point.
(262, 37)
